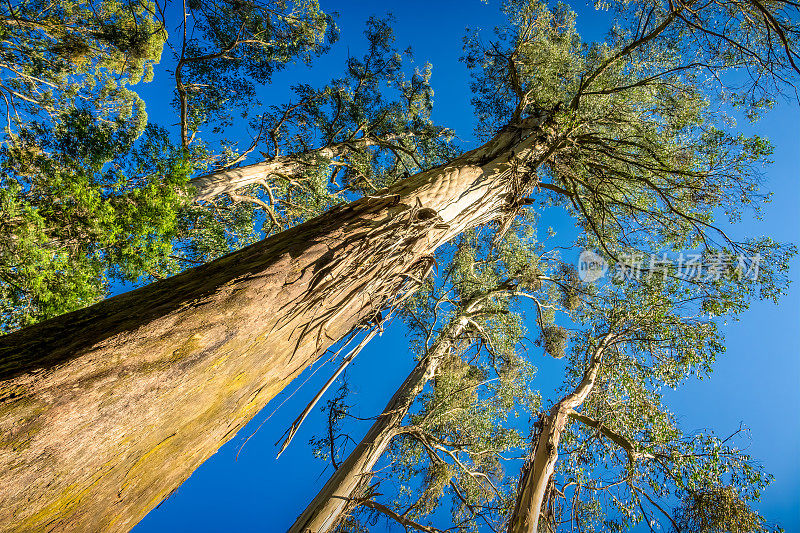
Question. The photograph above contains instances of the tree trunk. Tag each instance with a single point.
(330, 503)
(105, 411)
(538, 469)
(209, 186)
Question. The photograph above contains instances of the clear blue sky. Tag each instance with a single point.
(757, 382)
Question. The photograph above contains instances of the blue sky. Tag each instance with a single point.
(757, 382)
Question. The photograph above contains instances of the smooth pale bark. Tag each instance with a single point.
(331, 502)
(209, 186)
(107, 410)
(538, 469)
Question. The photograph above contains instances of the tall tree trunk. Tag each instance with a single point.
(106, 410)
(538, 469)
(330, 503)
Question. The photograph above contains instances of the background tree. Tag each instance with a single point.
(76, 215)
(329, 145)
(625, 459)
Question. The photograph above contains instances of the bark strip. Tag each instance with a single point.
(337, 495)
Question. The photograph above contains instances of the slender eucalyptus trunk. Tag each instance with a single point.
(107, 410)
(334, 499)
(538, 469)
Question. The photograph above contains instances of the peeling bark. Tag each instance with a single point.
(107, 410)
(328, 506)
(334, 499)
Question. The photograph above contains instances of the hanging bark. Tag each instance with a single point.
(336, 496)
(328, 506)
(107, 410)
(538, 469)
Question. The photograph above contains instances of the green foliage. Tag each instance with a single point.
(231, 47)
(56, 55)
(82, 206)
(554, 340)
(538, 53)
(718, 510)
(645, 149)
(72, 219)
(36, 282)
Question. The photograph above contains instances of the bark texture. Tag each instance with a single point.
(107, 410)
(538, 469)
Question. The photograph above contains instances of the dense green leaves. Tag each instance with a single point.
(645, 148)
(58, 54)
(81, 206)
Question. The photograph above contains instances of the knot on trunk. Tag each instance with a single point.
(426, 213)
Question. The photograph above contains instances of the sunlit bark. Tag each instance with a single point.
(538, 469)
(290, 167)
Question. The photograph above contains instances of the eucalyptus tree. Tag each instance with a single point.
(93, 210)
(621, 131)
(609, 454)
